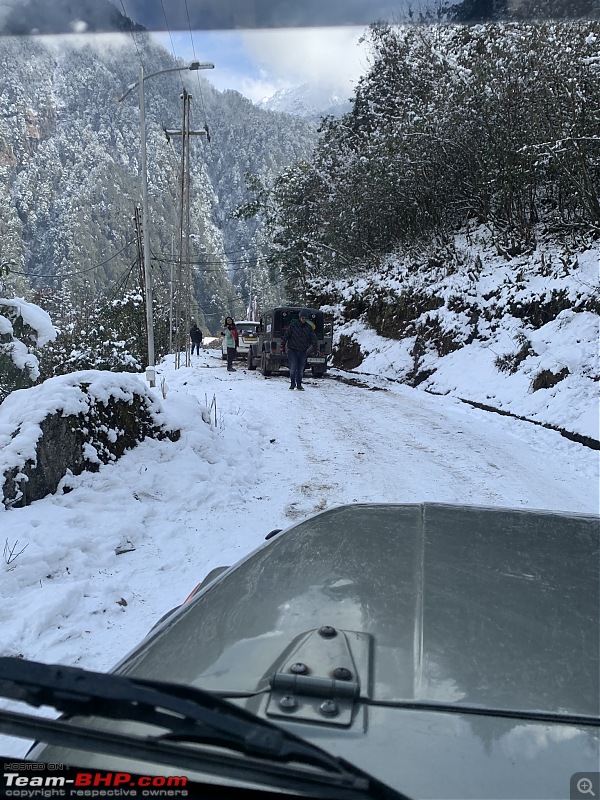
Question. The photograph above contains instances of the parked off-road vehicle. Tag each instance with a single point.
(269, 353)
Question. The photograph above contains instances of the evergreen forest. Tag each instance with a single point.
(451, 128)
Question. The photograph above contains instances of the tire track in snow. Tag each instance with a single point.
(403, 446)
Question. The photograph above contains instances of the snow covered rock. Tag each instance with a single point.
(69, 424)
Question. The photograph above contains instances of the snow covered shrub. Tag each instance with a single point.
(546, 379)
(510, 362)
(106, 335)
(23, 327)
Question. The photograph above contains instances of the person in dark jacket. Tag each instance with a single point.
(196, 337)
(299, 338)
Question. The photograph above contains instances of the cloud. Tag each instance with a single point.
(257, 63)
(253, 87)
(328, 57)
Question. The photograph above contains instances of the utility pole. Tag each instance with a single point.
(171, 288)
(195, 65)
(150, 370)
(249, 313)
(140, 249)
(184, 273)
(140, 261)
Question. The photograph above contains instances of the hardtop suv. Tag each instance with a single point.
(355, 650)
(269, 353)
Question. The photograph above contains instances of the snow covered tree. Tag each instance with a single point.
(23, 328)
(108, 335)
(493, 124)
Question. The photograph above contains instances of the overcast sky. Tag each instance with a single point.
(252, 43)
(259, 62)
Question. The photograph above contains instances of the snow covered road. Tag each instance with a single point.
(390, 443)
(102, 563)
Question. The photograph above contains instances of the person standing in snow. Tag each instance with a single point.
(196, 337)
(231, 342)
(299, 338)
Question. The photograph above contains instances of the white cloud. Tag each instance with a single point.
(254, 87)
(257, 63)
(102, 42)
(328, 57)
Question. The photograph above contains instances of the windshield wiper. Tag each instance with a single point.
(273, 755)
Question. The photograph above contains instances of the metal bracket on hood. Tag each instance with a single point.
(320, 680)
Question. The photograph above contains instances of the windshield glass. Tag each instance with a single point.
(246, 329)
(425, 183)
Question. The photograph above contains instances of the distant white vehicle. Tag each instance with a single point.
(247, 335)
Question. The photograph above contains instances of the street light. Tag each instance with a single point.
(195, 65)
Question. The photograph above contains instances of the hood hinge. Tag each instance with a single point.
(320, 679)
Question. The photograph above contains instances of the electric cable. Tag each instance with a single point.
(122, 283)
(202, 107)
(170, 36)
(79, 272)
(131, 33)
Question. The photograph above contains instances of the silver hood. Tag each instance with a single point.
(481, 609)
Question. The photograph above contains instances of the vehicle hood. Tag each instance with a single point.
(478, 605)
(485, 608)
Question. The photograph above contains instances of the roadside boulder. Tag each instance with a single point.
(71, 424)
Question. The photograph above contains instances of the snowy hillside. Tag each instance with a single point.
(69, 171)
(519, 335)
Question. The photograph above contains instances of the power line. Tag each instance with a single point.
(251, 262)
(133, 37)
(169, 32)
(80, 272)
(202, 109)
(122, 283)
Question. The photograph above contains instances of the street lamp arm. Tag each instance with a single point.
(195, 65)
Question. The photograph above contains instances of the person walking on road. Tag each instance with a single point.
(196, 337)
(299, 338)
(231, 342)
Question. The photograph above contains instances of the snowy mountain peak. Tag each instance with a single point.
(307, 100)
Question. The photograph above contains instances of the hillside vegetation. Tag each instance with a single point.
(455, 208)
(70, 176)
(496, 125)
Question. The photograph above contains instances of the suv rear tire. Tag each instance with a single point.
(263, 365)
